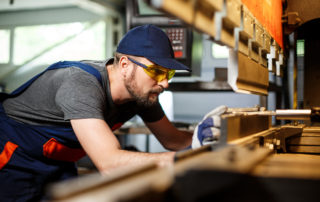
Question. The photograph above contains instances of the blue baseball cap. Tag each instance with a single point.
(152, 43)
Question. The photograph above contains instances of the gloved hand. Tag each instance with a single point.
(208, 130)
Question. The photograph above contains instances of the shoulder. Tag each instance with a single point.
(79, 76)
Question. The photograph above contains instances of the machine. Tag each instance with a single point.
(251, 162)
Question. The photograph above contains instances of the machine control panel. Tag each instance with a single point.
(177, 36)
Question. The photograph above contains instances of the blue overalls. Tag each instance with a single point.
(32, 156)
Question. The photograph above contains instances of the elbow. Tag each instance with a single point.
(107, 165)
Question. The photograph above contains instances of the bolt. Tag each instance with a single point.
(232, 155)
(271, 146)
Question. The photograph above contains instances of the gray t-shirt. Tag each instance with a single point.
(63, 94)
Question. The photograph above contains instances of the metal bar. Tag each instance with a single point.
(293, 112)
(278, 112)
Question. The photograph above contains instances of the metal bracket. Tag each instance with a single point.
(286, 132)
(291, 20)
(244, 32)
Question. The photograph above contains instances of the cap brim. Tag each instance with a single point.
(169, 63)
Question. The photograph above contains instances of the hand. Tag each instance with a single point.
(208, 130)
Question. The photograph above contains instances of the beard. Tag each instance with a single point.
(147, 99)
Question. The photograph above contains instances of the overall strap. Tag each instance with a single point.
(63, 64)
(39, 142)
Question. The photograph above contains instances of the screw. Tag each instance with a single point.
(232, 155)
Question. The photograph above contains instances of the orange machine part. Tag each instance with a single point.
(269, 13)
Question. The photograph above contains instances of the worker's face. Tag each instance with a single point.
(142, 87)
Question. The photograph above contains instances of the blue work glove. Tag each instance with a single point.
(208, 130)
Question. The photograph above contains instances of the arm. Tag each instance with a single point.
(169, 136)
(103, 148)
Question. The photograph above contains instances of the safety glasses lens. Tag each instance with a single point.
(159, 73)
(171, 74)
(156, 72)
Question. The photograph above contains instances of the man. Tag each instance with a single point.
(72, 108)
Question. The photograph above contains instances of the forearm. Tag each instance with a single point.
(104, 149)
(180, 140)
(122, 159)
(169, 136)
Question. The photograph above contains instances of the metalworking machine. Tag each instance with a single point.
(252, 161)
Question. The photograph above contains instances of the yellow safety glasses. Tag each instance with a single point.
(156, 72)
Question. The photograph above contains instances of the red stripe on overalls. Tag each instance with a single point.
(116, 126)
(52, 149)
(6, 154)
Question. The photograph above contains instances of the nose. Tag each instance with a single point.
(164, 83)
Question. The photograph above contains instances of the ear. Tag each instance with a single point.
(123, 65)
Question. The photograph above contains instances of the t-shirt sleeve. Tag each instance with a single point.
(81, 96)
(151, 114)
